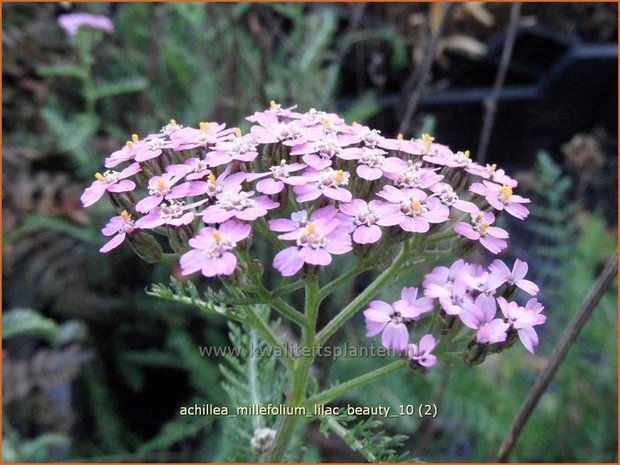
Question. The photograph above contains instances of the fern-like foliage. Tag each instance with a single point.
(253, 378)
(368, 438)
(209, 301)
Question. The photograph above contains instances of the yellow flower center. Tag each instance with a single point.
(273, 105)
(161, 184)
(483, 227)
(399, 136)
(493, 167)
(173, 122)
(416, 206)
(311, 228)
(135, 137)
(427, 139)
(467, 154)
(237, 132)
(505, 192)
(211, 178)
(125, 216)
(204, 126)
(99, 177)
(339, 176)
(217, 236)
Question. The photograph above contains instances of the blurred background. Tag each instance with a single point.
(96, 370)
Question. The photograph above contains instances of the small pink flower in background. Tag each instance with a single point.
(118, 226)
(212, 250)
(383, 317)
(411, 209)
(110, 181)
(233, 202)
(515, 277)
(316, 243)
(72, 22)
(360, 218)
(502, 198)
(328, 182)
(480, 229)
(481, 316)
(523, 319)
(485, 283)
(198, 169)
(421, 353)
(279, 176)
(452, 296)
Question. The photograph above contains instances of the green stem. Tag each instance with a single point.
(332, 393)
(286, 310)
(300, 375)
(362, 299)
(329, 288)
(257, 323)
(288, 288)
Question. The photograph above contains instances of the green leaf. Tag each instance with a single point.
(62, 70)
(27, 322)
(123, 86)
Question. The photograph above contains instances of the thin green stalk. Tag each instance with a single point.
(330, 287)
(257, 323)
(300, 376)
(334, 392)
(362, 299)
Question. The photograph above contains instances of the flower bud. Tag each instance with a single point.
(145, 246)
(262, 440)
(475, 353)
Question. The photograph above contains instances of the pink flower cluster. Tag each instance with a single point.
(351, 188)
(466, 292)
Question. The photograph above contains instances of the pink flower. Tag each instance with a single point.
(492, 173)
(413, 175)
(421, 354)
(360, 218)
(372, 162)
(412, 209)
(320, 153)
(118, 226)
(481, 316)
(279, 176)
(173, 213)
(452, 295)
(212, 250)
(239, 148)
(164, 187)
(515, 277)
(300, 220)
(383, 317)
(410, 305)
(401, 145)
(523, 319)
(233, 202)
(110, 181)
(480, 229)
(315, 244)
(328, 182)
(448, 158)
(502, 198)
(485, 283)
(274, 109)
(207, 134)
(271, 130)
(72, 22)
(448, 197)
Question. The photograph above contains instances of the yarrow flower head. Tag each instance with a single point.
(306, 188)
